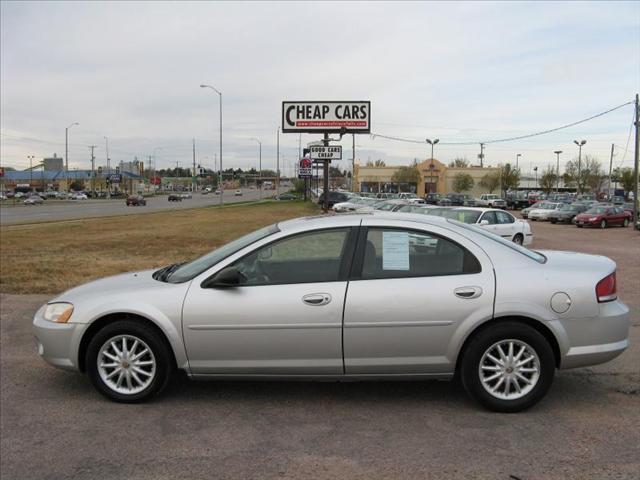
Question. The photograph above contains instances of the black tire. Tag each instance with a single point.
(603, 224)
(518, 239)
(156, 343)
(579, 226)
(553, 221)
(483, 341)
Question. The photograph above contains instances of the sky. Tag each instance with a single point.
(457, 71)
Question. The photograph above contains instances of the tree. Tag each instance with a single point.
(490, 181)
(462, 182)
(403, 175)
(510, 177)
(548, 179)
(77, 186)
(590, 175)
(459, 162)
(627, 181)
(298, 185)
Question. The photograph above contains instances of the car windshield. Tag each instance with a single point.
(597, 210)
(533, 255)
(190, 270)
(466, 216)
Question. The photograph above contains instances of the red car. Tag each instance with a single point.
(602, 217)
(136, 200)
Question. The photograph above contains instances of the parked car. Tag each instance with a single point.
(334, 197)
(136, 200)
(237, 193)
(603, 217)
(33, 200)
(79, 196)
(517, 200)
(542, 213)
(490, 200)
(286, 196)
(502, 340)
(218, 191)
(174, 197)
(495, 221)
(617, 200)
(566, 212)
(432, 198)
(390, 205)
(410, 197)
(457, 200)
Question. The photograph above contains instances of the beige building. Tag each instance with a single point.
(435, 176)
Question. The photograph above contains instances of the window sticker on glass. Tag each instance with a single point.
(395, 251)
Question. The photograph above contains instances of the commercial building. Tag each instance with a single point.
(435, 176)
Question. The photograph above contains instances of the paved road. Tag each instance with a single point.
(68, 210)
(54, 425)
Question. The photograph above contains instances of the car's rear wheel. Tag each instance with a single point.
(603, 224)
(518, 238)
(128, 361)
(508, 367)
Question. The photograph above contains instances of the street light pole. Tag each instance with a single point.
(30, 157)
(260, 164)
(580, 144)
(220, 98)
(558, 152)
(431, 167)
(518, 159)
(66, 153)
(278, 164)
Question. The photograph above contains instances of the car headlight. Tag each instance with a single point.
(58, 312)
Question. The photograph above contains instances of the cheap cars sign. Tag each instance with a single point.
(326, 117)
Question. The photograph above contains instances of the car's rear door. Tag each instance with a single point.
(411, 289)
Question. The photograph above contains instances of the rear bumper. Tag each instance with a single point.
(597, 340)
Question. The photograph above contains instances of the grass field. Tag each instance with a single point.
(52, 257)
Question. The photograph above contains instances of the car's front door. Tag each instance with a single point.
(286, 318)
(411, 290)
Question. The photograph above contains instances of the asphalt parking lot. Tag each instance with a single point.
(52, 210)
(54, 425)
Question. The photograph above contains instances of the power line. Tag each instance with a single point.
(509, 139)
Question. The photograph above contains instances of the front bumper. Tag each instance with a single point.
(58, 343)
(597, 340)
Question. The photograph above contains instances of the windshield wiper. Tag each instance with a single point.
(164, 272)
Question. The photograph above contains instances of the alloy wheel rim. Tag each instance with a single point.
(509, 369)
(126, 364)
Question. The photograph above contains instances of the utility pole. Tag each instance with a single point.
(278, 163)
(518, 159)
(193, 175)
(558, 152)
(610, 168)
(635, 165)
(93, 170)
(66, 153)
(481, 156)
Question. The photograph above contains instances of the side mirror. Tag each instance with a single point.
(228, 277)
(484, 222)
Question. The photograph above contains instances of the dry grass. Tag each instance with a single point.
(52, 257)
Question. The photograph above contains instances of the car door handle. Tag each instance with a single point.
(468, 292)
(316, 299)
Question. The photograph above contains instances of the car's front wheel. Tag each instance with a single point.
(128, 361)
(508, 367)
(603, 224)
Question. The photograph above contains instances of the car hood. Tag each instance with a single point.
(124, 283)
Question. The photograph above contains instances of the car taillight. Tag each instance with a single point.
(606, 288)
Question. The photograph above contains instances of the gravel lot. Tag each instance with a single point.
(55, 426)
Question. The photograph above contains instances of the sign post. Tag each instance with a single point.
(326, 117)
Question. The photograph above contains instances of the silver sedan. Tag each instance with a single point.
(360, 296)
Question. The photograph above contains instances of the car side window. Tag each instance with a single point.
(395, 253)
(304, 258)
(504, 218)
(490, 217)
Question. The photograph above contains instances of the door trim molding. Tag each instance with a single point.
(426, 323)
(265, 326)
